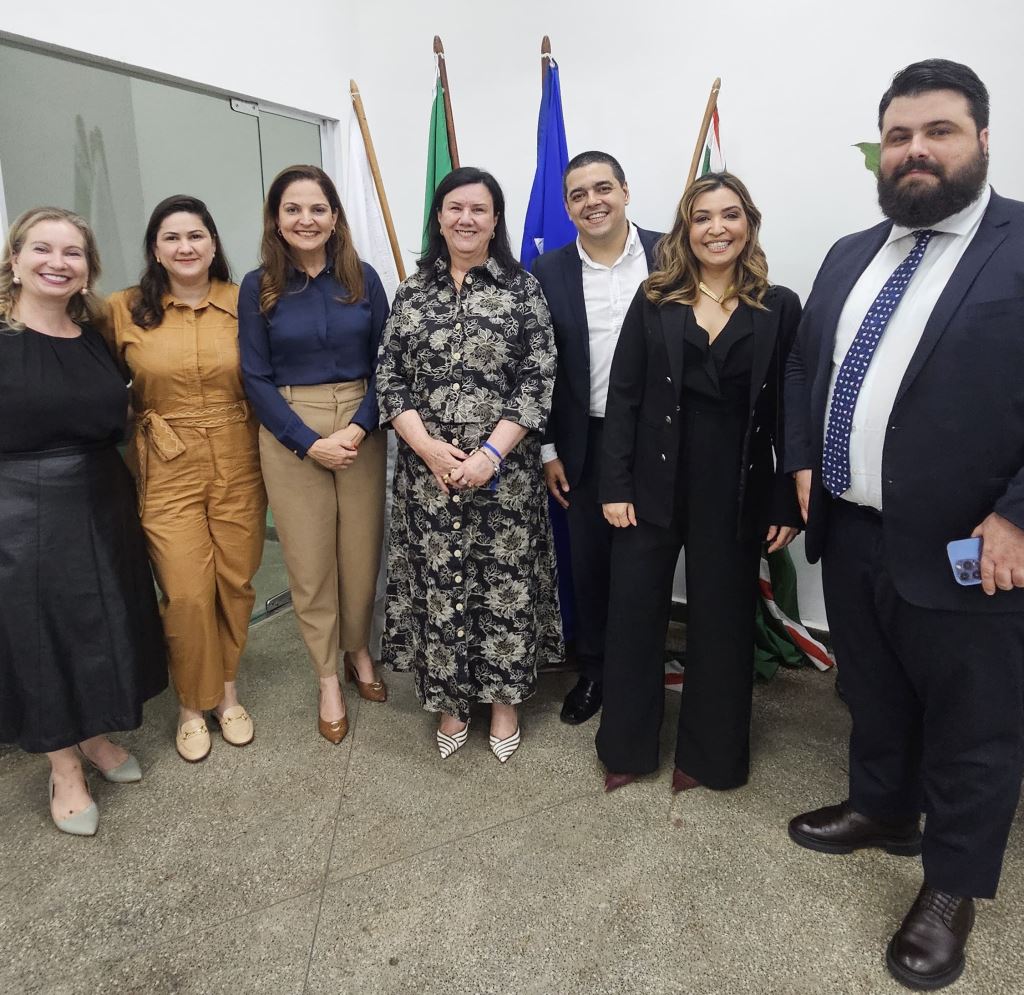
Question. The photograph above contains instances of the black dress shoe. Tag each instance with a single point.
(927, 951)
(838, 829)
(582, 702)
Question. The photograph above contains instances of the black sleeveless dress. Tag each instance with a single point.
(81, 645)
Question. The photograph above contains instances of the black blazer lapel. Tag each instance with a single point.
(672, 319)
(842, 277)
(991, 234)
(766, 329)
(572, 272)
(649, 240)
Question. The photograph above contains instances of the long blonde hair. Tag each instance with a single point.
(275, 256)
(83, 308)
(677, 271)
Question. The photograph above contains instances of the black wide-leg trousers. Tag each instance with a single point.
(713, 735)
(937, 700)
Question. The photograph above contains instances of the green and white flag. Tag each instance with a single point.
(713, 161)
(439, 157)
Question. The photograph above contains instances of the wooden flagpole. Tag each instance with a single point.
(709, 111)
(545, 59)
(453, 146)
(378, 182)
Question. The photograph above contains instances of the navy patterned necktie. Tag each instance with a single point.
(835, 472)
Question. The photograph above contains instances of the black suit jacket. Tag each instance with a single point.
(560, 273)
(641, 435)
(954, 447)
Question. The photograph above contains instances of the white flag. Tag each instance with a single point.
(365, 217)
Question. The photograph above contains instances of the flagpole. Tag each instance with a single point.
(545, 59)
(378, 181)
(709, 111)
(449, 121)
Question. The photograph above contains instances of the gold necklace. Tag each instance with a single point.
(705, 289)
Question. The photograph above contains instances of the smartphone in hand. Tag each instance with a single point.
(965, 560)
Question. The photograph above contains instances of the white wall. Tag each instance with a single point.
(801, 83)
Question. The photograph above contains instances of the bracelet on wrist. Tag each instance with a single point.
(492, 484)
(486, 446)
(496, 464)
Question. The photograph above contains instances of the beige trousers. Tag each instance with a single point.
(330, 524)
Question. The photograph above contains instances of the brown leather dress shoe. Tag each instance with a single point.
(927, 951)
(333, 732)
(839, 829)
(367, 690)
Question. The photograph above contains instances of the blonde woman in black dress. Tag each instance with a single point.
(81, 647)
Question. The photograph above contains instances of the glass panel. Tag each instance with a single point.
(285, 141)
(113, 146)
(78, 151)
(196, 144)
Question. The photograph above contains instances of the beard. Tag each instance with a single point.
(914, 206)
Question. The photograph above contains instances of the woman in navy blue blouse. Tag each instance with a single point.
(309, 323)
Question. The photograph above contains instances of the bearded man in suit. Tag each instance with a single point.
(905, 430)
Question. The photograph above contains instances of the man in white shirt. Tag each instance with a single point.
(905, 430)
(588, 284)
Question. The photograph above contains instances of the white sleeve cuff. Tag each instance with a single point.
(548, 453)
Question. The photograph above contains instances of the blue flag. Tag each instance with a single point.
(547, 224)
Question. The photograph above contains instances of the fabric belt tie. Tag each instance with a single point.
(154, 431)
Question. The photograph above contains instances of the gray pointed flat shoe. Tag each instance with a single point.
(126, 773)
(84, 823)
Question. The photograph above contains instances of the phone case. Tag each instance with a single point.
(965, 559)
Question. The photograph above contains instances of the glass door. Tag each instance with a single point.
(115, 144)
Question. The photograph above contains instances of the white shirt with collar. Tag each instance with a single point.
(899, 340)
(607, 293)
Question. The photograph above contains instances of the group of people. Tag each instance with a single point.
(656, 385)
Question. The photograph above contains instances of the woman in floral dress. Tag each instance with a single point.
(467, 365)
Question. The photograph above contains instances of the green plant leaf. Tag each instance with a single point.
(872, 155)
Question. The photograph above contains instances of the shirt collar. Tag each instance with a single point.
(961, 223)
(222, 296)
(633, 248)
(492, 267)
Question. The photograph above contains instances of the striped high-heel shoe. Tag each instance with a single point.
(447, 745)
(504, 748)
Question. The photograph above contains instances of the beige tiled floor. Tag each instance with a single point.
(295, 867)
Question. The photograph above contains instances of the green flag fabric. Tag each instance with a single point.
(439, 157)
(780, 638)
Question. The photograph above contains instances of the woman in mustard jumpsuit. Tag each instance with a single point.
(196, 462)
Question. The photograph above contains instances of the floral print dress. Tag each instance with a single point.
(471, 602)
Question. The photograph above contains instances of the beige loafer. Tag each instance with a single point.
(235, 725)
(193, 741)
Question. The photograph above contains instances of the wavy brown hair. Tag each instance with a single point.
(275, 257)
(677, 273)
(83, 308)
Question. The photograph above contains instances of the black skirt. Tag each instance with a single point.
(81, 644)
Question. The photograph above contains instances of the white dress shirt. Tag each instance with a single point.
(607, 293)
(899, 340)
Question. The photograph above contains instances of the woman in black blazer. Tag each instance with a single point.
(692, 458)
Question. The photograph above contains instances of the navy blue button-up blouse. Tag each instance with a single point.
(310, 337)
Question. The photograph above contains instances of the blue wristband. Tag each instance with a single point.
(493, 449)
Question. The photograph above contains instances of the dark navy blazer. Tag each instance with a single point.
(954, 447)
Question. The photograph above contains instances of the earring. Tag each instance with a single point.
(17, 280)
(85, 291)
(492, 234)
